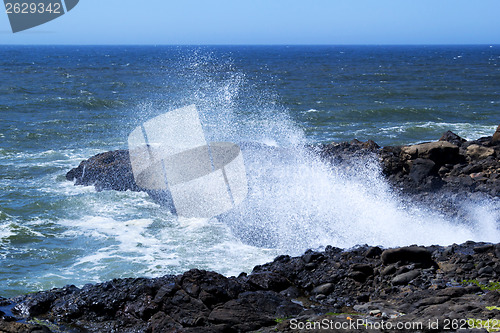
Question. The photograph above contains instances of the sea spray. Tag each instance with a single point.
(298, 201)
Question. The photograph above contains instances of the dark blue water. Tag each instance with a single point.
(61, 104)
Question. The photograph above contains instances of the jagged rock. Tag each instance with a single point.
(268, 281)
(496, 136)
(201, 301)
(452, 138)
(459, 165)
(106, 171)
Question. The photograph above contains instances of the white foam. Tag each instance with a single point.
(5, 232)
(306, 204)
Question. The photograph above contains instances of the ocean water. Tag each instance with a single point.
(62, 104)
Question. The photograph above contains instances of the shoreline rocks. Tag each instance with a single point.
(364, 285)
(450, 164)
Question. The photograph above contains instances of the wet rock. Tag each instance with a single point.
(486, 271)
(342, 281)
(405, 278)
(484, 248)
(268, 281)
(363, 268)
(421, 168)
(373, 252)
(324, 289)
(358, 276)
(312, 256)
(106, 171)
(453, 138)
(459, 165)
(251, 310)
(412, 254)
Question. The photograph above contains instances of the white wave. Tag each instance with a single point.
(301, 203)
(465, 130)
(5, 232)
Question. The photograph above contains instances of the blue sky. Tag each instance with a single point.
(268, 22)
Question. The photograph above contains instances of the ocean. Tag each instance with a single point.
(62, 104)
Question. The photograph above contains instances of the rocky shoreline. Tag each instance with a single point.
(448, 165)
(416, 289)
(452, 288)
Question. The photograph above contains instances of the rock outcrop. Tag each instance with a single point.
(106, 171)
(451, 164)
(450, 288)
(496, 137)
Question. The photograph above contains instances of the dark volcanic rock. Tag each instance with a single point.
(106, 171)
(405, 278)
(412, 254)
(461, 283)
(448, 165)
(452, 138)
(421, 168)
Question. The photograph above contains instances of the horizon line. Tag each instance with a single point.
(265, 44)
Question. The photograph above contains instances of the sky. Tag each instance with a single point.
(284, 22)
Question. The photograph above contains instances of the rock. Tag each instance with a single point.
(107, 171)
(311, 256)
(324, 289)
(373, 252)
(453, 138)
(412, 254)
(484, 248)
(421, 168)
(432, 301)
(496, 136)
(363, 268)
(477, 152)
(486, 271)
(358, 276)
(407, 168)
(389, 270)
(253, 310)
(405, 278)
(268, 281)
(440, 152)
(201, 301)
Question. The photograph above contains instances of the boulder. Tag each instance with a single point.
(405, 278)
(106, 171)
(412, 254)
(324, 289)
(477, 152)
(201, 301)
(453, 138)
(440, 152)
(421, 168)
(268, 281)
(496, 136)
